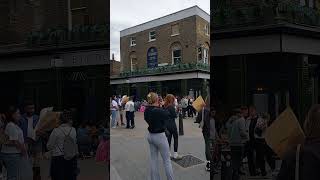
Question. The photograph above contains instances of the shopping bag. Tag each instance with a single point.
(284, 133)
(25, 169)
(198, 104)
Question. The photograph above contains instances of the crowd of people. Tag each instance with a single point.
(24, 145)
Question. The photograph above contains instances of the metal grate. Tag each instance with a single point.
(188, 161)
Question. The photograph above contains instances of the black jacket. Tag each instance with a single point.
(206, 124)
(171, 122)
(156, 118)
(309, 162)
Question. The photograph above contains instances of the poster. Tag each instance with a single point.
(284, 133)
(152, 58)
(198, 104)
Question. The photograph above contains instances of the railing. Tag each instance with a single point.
(263, 14)
(59, 36)
(167, 69)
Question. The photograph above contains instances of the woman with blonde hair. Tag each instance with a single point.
(171, 126)
(309, 155)
(156, 118)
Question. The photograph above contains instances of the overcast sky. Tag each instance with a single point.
(128, 13)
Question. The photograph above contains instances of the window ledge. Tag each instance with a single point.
(151, 40)
(133, 45)
(172, 35)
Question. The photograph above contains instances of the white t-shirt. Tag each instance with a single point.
(15, 134)
(114, 104)
(129, 106)
(57, 137)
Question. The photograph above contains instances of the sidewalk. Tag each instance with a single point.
(130, 152)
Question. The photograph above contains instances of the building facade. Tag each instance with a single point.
(167, 55)
(266, 54)
(55, 53)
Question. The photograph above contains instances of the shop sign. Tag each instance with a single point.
(152, 58)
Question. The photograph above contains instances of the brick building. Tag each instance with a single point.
(267, 54)
(168, 55)
(55, 54)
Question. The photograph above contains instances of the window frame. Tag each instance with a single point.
(155, 38)
(172, 30)
(206, 30)
(135, 41)
(172, 55)
(133, 65)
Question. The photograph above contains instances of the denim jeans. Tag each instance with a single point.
(159, 143)
(114, 118)
(11, 162)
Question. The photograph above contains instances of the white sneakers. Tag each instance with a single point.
(175, 155)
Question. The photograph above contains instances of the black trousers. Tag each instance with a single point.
(130, 119)
(264, 152)
(173, 132)
(249, 153)
(62, 169)
(184, 111)
(191, 111)
(236, 160)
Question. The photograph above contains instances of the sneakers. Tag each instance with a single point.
(114, 127)
(208, 166)
(176, 155)
(170, 155)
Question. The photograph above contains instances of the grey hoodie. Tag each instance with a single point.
(237, 131)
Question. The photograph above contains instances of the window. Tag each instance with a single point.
(199, 53)
(176, 53)
(206, 55)
(152, 36)
(133, 41)
(175, 30)
(176, 56)
(134, 63)
(206, 29)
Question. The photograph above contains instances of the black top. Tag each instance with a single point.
(252, 126)
(156, 118)
(171, 123)
(206, 123)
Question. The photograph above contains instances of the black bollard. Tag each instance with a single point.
(181, 132)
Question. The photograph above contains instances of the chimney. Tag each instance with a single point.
(113, 56)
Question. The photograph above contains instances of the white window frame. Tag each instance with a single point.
(154, 36)
(178, 30)
(131, 67)
(131, 41)
(206, 55)
(206, 30)
(172, 54)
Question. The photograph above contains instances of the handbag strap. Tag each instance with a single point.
(297, 169)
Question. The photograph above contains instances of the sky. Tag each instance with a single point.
(128, 13)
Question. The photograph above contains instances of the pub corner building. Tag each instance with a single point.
(166, 55)
(58, 72)
(267, 54)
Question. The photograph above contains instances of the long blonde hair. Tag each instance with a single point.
(312, 122)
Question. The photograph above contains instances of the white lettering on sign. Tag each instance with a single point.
(86, 58)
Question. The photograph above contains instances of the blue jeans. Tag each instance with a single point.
(158, 143)
(11, 162)
(114, 118)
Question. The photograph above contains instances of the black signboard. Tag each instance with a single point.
(152, 58)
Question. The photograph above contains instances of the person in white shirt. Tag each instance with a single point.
(114, 108)
(14, 149)
(129, 108)
(62, 169)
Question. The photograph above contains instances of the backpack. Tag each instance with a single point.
(70, 147)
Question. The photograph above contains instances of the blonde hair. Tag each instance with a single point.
(152, 98)
(169, 100)
(312, 122)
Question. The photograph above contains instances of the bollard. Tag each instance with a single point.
(181, 132)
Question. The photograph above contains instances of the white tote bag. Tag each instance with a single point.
(25, 169)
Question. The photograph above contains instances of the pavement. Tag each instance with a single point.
(130, 153)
